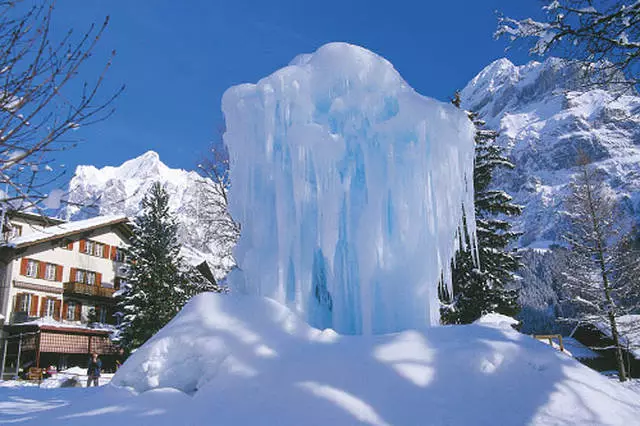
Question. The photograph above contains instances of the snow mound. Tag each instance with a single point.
(249, 360)
(211, 333)
(349, 186)
(497, 320)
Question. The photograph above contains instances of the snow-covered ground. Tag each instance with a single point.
(71, 377)
(231, 360)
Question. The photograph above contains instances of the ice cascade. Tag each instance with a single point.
(349, 187)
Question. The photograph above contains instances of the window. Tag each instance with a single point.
(120, 255)
(32, 268)
(71, 311)
(50, 272)
(16, 231)
(91, 278)
(93, 248)
(25, 302)
(103, 314)
(50, 308)
(88, 247)
(79, 276)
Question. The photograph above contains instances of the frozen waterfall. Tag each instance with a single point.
(349, 187)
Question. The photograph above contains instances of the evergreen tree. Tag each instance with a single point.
(477, 291)
(156, 285)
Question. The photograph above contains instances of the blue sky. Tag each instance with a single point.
(178, 57)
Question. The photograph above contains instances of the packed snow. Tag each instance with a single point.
(349, 187)
(246, 360)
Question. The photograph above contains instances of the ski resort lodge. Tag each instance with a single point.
(57, 285)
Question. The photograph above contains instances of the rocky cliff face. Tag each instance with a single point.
(545, 117)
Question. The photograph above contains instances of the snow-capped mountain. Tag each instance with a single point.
(545, 118)
(196, 201)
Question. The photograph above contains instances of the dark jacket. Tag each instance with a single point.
(94, 368)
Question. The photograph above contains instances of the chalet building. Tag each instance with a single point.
(57, 285)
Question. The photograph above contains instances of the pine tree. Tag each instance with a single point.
(156, 287)
(477, 291)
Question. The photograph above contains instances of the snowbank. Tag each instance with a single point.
(248, 360)
(497, 320)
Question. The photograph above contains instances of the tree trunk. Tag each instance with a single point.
(622, 374)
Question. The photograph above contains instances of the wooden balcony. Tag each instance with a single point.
(88, 290)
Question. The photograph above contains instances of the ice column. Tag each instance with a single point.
(349, 187)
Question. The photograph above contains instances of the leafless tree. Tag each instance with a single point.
(213, 214)
(600, 279)
(42, 98)
(603, 35)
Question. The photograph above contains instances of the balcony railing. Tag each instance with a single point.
(88, 290)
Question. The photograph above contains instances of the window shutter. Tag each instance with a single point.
(83, 246)
(59, 273)
(113, 252)
(70, 246)
(23, 266)
(65, 309)
(72, 275)
(18, 300)
(98, 279)
(41, 267)
(76, 315)
(56, 310)
(43, 306)
(106, 249)
(97, 309)
(34, 306)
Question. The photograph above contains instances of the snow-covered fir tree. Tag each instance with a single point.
(486, 289)
(158, 282)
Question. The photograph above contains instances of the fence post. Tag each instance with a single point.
(4, 357)
(19, 353)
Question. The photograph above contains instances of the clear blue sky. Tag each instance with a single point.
(178, 57)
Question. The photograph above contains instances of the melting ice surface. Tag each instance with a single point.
(349, 187)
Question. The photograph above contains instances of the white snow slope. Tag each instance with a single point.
(119, 190)
(244, 360)
(349, 186)
(544, 119)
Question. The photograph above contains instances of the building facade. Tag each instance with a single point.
(60, 278)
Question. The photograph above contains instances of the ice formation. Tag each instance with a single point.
(349, 187)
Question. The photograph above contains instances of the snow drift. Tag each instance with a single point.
(349, 187)
(249, 360)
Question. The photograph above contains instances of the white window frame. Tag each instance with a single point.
(103, 315)
(25, 302)
(32, 268)
(89, 247)
(90, 277)
(70, 315)
(79, 278)
(50, 272)
(50, 308)
(98, 249)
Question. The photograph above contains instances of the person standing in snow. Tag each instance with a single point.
(93, 372)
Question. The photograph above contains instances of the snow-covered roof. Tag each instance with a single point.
(66, 229)
(50, 323)
(629, 329)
